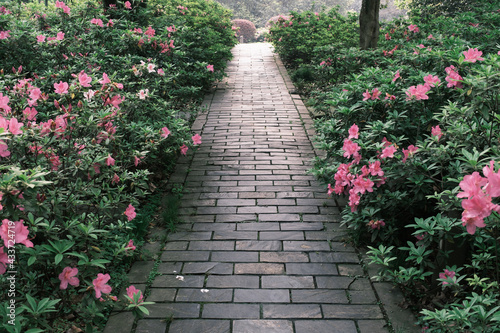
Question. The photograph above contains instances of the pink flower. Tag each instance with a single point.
(376, 224)
(130, 212)
(210, 68)
(4, 103)
(350, 148)
(409, 152)
(128, 5)
(116, 179)
(430, 37)
(473, 55)
(40, 38)
(375, 169)
(165, 133)
(61, 87)
(151, 68)
(375, 94)
(143, 93)
(387, 37)
(150, 32)
(362, 185)
(390, 97)
(396, 76)
(60, 35)
(68, 275)
(161, 72)
(89, 94)
(413, 28)
(4, 34)
(196, 139)
(110, 160)
(431, 80)
(84, 79)
(110, 23)
(14, 126)
(20, 232)
(447, 274)
(492, 188)
(130, 245)
(419, 92)
(354, 132)
(137, 160)
(105, 79)
(100, 285)
(97, 21)
(388, 152)
(184, 150)
(366, 95)
(453, 77)
(4, 261)
(330, 189)
(436, 131)
(4, 149)
(132, 291)
(471, 185)
(354, 199)
(96, 167)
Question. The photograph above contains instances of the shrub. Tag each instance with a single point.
(246, 29)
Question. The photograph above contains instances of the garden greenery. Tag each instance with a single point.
(94, 106)
(411, 133)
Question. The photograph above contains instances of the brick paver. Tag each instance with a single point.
(258, 232)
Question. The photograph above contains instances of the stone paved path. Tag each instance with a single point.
(258, 232)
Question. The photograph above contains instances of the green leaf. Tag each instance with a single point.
(58, 258)
(31, 261)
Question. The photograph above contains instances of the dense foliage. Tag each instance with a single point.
(411, 134)
(93, 105)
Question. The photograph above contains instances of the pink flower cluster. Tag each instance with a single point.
(479, 192)
(62, 5)
(447, 274)
(373, 96)
(454, 79)
(376, 224)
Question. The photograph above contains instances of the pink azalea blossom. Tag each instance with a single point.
(84, 79)
(396, 76)
(100, 285)
(143, 93)
(165, 133)
(366, 95)
(419, 92)
(184, 150)
(110, 23)
(105, 79)
(60, 35)
(350, 148)
(116, 179)
(473, 55)
(68, 276)
(40, 38)
(354, 199)
(353, 132)
(110, 160)
(132, 291)
(376, 224)
(447, 274)
(14, 126)
(19, 231)
(89, 94)
(362, 185)
(388, 152)
(453, 77)
(390, 97)
(471, 185)
(413, 28)
(409, 152)
(330, 189)
(97, 21)
(150, 32)
(128, 5)
(4, 261)
(430, 37)
(375, 94)
(436, 131)
(130, 212)
(4, 104)
(61, 87)
(4, 152)
(196, 139)
(432, 81)
(151, 68)
(161, 72)
(130, 245)
(387, 37)
(492, 188)
(137, 160)
(375, 169)
(210, 68)
(4, 34)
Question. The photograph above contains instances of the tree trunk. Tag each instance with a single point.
(368, 24)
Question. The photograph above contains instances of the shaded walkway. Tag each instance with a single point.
(256, 251)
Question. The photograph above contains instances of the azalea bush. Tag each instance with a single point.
(410, 132)
(94, 108)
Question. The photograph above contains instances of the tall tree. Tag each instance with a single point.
(369, 24)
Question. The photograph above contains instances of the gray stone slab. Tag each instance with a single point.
(258, 226)
(151, 326)
(258, 245)
(204, 295)
(171, 281)
(267, 326)
(120, 322)
(233, 281)
(306, 246)
(139, 273)
(319, 296)
(294, 311)
(207, 268)
(289, 282)
(161, 295)
(231, 311)
(235, 256)
(281, 235)
(325, 326)
(185, 255)
(261, 296)
(200, 325)
(259, 268)
(285, 257)
(175, 310)
(311, 269)
(351, 311)
(212, 245)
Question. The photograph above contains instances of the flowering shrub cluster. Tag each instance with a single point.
(92, 106)
(246, 29)
(406, 134)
